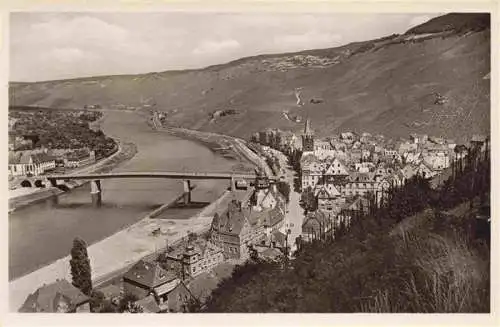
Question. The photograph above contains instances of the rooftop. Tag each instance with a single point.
(46, 298)
(149, 274)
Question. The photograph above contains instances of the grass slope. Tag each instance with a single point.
(384, 85)
(415, 268)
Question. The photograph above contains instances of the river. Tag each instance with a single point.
(43, 232)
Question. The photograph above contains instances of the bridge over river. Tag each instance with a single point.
(96, 190)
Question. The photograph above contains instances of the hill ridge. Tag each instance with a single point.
(388, 85)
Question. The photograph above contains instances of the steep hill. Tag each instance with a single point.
(390, 85)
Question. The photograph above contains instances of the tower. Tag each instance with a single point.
(308, 138)
(189, 259)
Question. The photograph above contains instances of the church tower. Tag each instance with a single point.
(308, 138)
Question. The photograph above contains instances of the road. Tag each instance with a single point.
(295, 214)
(258, 161)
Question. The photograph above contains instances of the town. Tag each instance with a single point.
(299, 162)
(335, 177)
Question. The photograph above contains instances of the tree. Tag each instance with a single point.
(284, 189)
(309, 200)
(80, 266)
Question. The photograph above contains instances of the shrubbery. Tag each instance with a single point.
(406, 256)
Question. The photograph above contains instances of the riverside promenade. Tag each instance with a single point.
(119, 251)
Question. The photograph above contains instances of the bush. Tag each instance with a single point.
(126, 302)
(427, 263)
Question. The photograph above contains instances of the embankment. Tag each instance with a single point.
(113, 255)
(124, 152)
(216, 142)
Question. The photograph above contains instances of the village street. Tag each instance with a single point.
(295, 214)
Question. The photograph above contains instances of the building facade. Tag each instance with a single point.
(29, 163)
(234, 232)
(200, 259)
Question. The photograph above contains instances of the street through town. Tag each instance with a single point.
(295, 214)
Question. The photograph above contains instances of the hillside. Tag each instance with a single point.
(423, 251)
(387, 85)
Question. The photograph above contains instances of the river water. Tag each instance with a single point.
(43, 232)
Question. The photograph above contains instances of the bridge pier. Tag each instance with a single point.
(47, 183)
(187, 191)
(232, 185)
(96, 192)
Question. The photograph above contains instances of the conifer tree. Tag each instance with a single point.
(80, 266)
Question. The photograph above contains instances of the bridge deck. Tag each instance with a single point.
(171, 175)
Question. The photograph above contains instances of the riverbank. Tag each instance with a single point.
(220, 142)
(125, 151)
(114, 254)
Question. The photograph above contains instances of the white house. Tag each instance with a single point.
(24, 163)
(437, 160)
(79, 159)
(364, 167)
(312, 170)
(330, 199)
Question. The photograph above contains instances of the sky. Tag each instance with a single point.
(48, 46)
